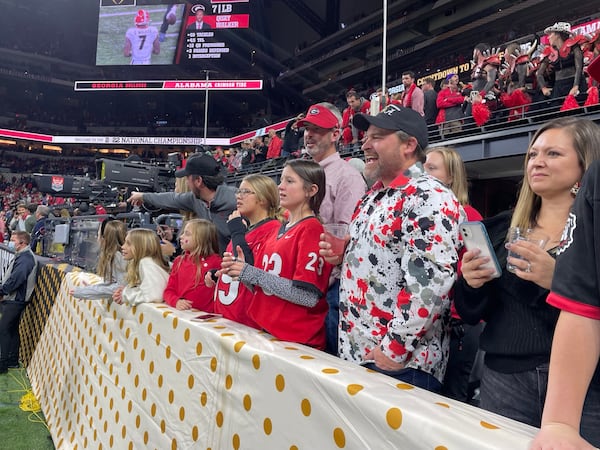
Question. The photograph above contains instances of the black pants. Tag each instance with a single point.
(464, 342)
(10, 316)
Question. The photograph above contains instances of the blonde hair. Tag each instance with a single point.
(206, 242)
(144, 243)
(181, 187)
(112, 234)
(266, 192)
(586, 141)
(455, 168)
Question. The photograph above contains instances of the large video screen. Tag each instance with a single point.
(159, 32)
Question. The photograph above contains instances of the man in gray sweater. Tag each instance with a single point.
(208, 198)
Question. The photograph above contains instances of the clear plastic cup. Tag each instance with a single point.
(519, 234)
(335, 235)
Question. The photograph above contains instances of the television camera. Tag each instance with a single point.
(116, 179)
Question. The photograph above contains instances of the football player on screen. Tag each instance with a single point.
(141, 41)
(170, 18)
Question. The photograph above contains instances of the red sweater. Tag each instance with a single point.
(274, 149)
(448, 99)
(182, 282)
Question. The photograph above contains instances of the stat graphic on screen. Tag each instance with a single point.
(159, 32)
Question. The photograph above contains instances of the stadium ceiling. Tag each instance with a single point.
(309, 50)
(420, 34)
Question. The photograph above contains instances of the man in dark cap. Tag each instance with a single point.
(399, 263)
(208, 198)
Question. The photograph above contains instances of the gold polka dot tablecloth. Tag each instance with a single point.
(49, 279)
(150, 377)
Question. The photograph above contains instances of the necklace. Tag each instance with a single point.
(291, 224)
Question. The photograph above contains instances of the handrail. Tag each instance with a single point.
(497, 127)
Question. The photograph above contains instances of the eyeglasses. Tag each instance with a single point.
(244, 192)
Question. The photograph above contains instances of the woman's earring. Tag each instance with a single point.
(575, 189)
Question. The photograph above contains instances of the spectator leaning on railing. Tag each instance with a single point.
(15, 291)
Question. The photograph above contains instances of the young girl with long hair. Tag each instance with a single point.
(111, 265)
(147, 270)
(186, 287)
(251, 224)
(289, 288)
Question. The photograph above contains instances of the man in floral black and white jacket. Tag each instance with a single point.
(400, 261)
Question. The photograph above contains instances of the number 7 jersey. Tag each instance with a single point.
(142, 41)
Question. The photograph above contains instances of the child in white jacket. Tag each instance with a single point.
(147, 271)
(112, 267)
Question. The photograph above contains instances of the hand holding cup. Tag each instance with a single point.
(519, 256)
(333, 242)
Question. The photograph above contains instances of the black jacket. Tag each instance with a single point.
(19, 279)
(520, 324)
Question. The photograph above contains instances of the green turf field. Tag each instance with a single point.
(115, 21)
(20, 430)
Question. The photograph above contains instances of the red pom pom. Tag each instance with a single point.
(506, 100)
(569, 103)
(481, 114)
(520, 98)
(592, 98)
(517, 102)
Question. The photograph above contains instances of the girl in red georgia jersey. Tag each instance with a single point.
(250, 225)
(290, 285)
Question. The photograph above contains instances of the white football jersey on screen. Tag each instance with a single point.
(142, 40)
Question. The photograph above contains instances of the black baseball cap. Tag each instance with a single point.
(396, 118)
(202, 165)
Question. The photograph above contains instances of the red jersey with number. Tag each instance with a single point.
(294, 254)
(232, 298)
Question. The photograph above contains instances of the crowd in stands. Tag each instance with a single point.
(504, 86)
(56, 165)
(517, 86)
(290, 265)
(402, 272)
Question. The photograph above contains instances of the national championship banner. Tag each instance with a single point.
(112, 140)
(139, 140)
